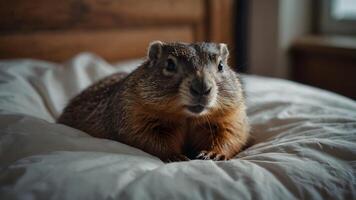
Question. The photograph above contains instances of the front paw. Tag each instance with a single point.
(176, 158)
(211, 155)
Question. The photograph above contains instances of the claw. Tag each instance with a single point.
(210, 155)
(201, 155)
(219, 157)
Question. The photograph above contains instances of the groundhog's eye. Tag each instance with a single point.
(171, 65)
(212, 57)
(220, 66)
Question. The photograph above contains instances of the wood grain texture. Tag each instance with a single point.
(57, 30)
(221, 20)
(32, 15)
(112, 45)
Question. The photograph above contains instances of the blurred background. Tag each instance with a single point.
(308, 41)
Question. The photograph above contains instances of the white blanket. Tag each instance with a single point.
(305, 144)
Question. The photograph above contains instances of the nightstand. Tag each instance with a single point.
(327, 62)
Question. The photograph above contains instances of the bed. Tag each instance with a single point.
(304, 139)
(304, 143)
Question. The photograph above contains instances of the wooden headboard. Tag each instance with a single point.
(114, 29)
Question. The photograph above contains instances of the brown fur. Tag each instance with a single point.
(144, 109)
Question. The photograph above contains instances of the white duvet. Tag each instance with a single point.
(305, 144)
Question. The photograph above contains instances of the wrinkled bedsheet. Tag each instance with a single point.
(304, 144)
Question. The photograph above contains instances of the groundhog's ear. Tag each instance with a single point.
(155, 50)
(224, 51)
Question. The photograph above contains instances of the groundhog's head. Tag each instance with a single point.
(191, 79)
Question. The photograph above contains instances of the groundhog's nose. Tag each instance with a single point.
(200, 87)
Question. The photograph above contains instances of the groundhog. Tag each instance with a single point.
(184, 102)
